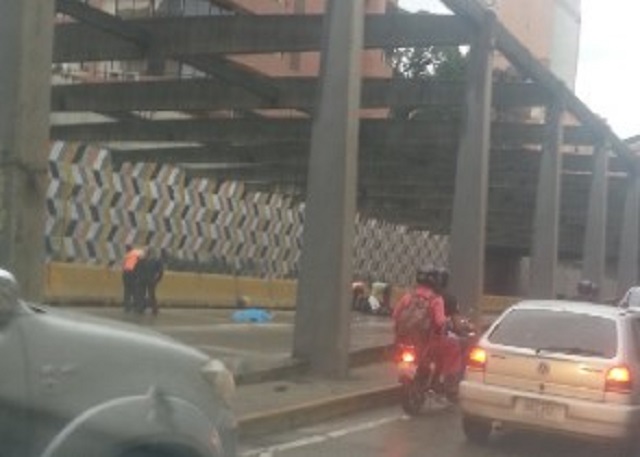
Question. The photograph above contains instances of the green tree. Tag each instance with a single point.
(433, 63)
(440, 63)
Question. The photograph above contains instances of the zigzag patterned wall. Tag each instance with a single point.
(94, 211)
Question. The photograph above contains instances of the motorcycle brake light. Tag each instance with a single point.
(408, 357)
(477, 359)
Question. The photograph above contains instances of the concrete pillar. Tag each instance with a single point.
(628, 257)
(26, 37)
(322, 321)
(468, 229)
(544, 258)
(595, 255)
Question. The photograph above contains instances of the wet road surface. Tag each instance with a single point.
(388, 433)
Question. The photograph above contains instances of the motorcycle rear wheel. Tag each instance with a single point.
(413, 398)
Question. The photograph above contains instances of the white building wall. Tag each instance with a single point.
(565, 48)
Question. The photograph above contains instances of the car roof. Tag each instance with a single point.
(592, 309)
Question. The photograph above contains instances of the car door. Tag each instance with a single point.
(14, 410)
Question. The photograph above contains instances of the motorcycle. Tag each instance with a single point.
(419, 374)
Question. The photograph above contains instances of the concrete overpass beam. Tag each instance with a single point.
(544, 256)
(468, 231)
(594, 260)
(178, 38)
(321, 334)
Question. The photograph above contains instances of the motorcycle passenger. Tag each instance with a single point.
(451, 308)
(460, 330)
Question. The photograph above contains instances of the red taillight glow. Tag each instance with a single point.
(477, 359)
(618, 380)
(408, 357)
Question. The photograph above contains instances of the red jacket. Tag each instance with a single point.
(436, 307)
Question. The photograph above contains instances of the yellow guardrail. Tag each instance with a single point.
(89, 284)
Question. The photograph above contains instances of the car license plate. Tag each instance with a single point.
(541, 410)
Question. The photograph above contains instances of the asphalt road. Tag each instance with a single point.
(387, 433)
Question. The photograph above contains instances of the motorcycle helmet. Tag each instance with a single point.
(428, 276)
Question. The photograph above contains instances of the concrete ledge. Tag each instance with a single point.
(99, 285)
(317, 411)
(77, 284)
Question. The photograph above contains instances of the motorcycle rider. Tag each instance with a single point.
(425, 290)
(433, 338)
(587, 291)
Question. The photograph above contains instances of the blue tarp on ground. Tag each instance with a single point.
(255, 315)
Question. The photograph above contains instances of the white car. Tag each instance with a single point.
(560, 367)
(76, 386)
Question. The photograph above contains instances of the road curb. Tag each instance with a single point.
(317, 411)
(370, 356)
(357, 358)
(289, 370)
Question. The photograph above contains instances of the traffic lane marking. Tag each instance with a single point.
(322, 437)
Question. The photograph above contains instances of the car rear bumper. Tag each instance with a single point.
(583, 418)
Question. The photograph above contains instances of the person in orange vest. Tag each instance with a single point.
(129, 277)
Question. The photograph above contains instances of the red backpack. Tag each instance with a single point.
(414, 321)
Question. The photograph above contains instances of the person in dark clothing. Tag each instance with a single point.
(152, 271)
(358, 295)
(451, 306)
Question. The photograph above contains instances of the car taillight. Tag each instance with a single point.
(618, 380)
(477, 359)
(408, 356)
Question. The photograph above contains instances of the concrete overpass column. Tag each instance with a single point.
(629, 243)
(321, 333)
(544, 258)
(594, 255)
(26, 37)
(468, 230)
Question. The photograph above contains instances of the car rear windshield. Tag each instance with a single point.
(557, 331)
